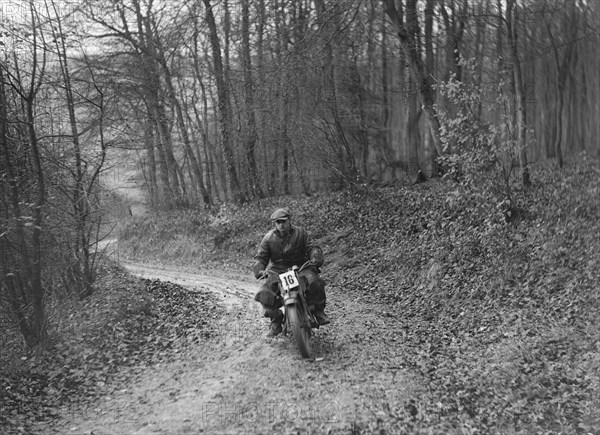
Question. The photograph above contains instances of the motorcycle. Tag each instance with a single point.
(298, 319)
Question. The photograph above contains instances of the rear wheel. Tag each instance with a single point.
(300, 330)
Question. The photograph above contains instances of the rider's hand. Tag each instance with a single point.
(261, 274)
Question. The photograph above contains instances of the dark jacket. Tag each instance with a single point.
(283, 253)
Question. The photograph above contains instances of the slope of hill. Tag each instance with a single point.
(451, 313)
(497, 308)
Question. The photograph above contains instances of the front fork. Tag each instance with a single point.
(297, 297)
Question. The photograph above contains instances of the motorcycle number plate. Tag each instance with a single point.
(289, 280)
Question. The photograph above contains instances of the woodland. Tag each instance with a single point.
(217, 105)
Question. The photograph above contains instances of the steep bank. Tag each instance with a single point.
(499, 313)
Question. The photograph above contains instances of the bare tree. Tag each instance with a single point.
(84, 175)
(568, 25)
(198, 176)
(23, 279)
(223, 105)
(252, 134)
(422, 75)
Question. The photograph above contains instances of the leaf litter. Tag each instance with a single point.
(495, 320)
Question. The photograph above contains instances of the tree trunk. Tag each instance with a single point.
(412, 127)
(12, 280)
(455, 26)
(39, 202)
(37, 289)
(519, 92)
(80, 201)
(181, 123)
(252, 134)
(202, 121)
(386, 94)
(152, 88)
(569, 26)
(150, 172)
(363, 136)
(223, 106)
(260, 59)
(421, 75)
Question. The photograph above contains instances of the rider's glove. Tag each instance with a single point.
(316, 257)
(259, 270)
(260, 274)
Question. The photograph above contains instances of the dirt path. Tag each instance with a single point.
(244, 382)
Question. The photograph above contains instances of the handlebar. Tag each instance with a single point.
(299, 269)
(308, 263)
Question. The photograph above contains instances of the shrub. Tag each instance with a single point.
(478, 154)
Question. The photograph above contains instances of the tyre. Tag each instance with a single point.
(300, 330)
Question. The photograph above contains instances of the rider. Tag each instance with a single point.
(281, 248)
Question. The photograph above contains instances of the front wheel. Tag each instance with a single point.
(300, 330)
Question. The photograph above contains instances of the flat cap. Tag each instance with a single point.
(281, 213)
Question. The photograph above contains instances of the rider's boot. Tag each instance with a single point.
(322, 318)
(276, 317)
(274, 329)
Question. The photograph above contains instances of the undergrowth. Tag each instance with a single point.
(501, 307)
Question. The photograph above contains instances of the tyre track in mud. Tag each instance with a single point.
(230, 290)
(240, 381)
